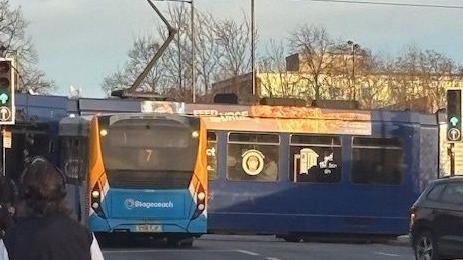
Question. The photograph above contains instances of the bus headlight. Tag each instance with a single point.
(201, 207)
(104, 132)
(95, 194)
(195, 134)
(201, 196)
(95, 205)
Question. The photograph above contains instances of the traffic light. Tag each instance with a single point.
(454, 115)
(7, 91)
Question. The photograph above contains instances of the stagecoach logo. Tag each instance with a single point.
(253, 162)
(131, 204)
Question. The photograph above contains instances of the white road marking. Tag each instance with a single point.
(272, 258)
(247, 252)
(387, 254)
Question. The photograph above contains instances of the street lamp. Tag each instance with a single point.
(253, 51)
(354, 46)
(193, 43)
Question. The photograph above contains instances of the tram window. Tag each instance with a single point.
(253, 157)
(316, 159)
(212, 155)
(377, 161)
(72, 154)
(254, 138)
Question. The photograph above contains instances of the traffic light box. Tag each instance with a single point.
(7, 92)
(454, 115)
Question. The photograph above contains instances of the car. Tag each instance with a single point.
(436, 220)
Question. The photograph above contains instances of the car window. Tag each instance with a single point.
(453, 193)
(435, 192)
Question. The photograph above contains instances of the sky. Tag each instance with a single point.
(79, 42)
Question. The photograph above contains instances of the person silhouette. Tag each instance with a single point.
(46, 231)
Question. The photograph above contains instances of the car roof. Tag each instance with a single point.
(448, 179)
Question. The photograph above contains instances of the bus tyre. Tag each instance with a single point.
(425, 246)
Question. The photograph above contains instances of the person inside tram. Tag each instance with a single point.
(46, 230)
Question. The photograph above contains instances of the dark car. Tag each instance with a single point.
(436, 226)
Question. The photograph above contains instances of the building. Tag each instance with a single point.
(379, 89)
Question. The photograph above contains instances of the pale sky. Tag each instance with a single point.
(79, 42)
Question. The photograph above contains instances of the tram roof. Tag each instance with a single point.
(288, 112)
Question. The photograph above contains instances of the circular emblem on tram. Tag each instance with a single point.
(253, 162)
(129, 203)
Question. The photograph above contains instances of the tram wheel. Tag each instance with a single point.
(179, 242)
(292, 238)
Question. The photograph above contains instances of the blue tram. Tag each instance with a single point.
(298, 172)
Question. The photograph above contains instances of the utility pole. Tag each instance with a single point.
(253, 51)
(193, 50)
(354, 46)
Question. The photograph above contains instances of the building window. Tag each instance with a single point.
(211, 153)
(316, 159)
(253, 157)
(377, 161)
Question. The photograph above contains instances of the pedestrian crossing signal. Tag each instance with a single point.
(454, 115)
(7, 91)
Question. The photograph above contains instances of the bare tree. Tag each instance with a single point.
(15, 43)
(315, 46)
(221, 51)
(208, 51)
(142, 51)
(421, 76)
(233, 39)
(274, 78)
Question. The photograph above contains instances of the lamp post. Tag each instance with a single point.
(354, 46)
(253, 51)
(193, 43)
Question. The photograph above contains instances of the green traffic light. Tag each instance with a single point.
(454, 120)
(4, 98)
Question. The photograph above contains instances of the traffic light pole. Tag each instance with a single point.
(3, 151)
(452, 159)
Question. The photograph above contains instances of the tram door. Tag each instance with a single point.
(73, 162)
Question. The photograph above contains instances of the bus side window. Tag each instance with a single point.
(377, 161)
(316, 159)
(253, 157)
(211, 153)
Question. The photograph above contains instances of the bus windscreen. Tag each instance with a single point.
(149, 153)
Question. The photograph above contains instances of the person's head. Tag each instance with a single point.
(7, 199)
(43, 188)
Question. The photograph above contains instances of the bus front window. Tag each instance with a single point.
(149, 153)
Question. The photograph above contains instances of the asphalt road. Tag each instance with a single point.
(262, 248)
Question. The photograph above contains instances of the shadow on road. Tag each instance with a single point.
(138, 241)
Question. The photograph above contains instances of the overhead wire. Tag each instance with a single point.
(416, 5)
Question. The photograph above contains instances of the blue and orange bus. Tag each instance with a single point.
(137, 173)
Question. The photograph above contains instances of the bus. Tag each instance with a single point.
(300, 172)
(134, 174)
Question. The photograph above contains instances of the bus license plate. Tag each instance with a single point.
(148, 228)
